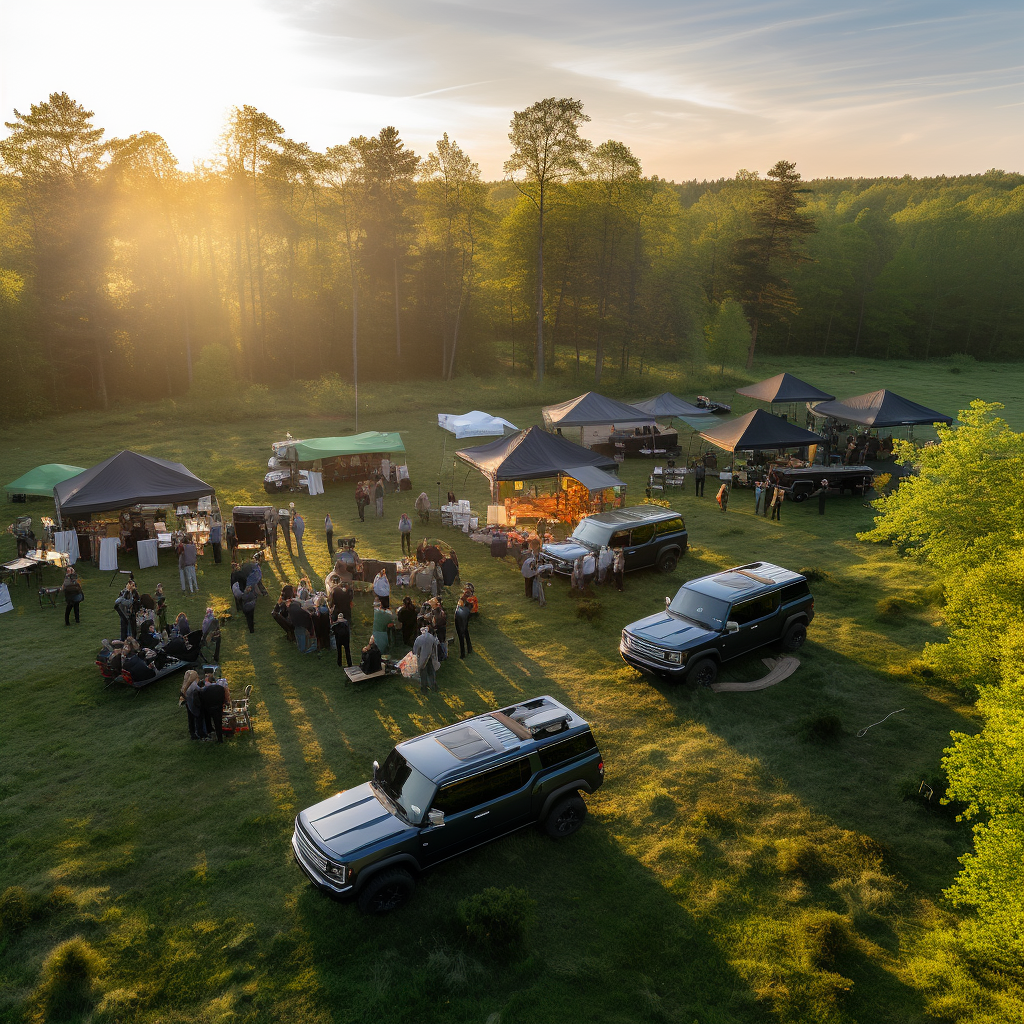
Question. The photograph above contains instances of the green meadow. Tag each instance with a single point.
(749, 858)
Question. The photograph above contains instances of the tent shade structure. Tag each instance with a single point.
(593, 410)
(666, 404)
(880, 409)
(42, 480)
(784, 388)
(370, 442)
(759, 431)
(474, 424)
(530, 455)
(592, 478)
(127, 479)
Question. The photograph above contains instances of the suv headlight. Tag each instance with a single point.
(338, 871)
(675, 657)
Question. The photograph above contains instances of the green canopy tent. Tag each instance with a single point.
(370, 442)
(42, 480)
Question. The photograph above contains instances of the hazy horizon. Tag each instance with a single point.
(696, 90)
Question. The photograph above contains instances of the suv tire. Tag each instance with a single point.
(668, 562)
(386, 891)
(566, 817)
(703, 672)
(794, 637)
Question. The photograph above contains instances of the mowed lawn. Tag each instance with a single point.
(737, 865)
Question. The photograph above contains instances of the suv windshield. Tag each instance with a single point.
(590, 533)
(409, 789)
(709, 612)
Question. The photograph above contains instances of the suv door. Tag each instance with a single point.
(641, 550)
(758, 619)
(479, 808)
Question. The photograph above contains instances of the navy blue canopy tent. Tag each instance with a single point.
(880, 409)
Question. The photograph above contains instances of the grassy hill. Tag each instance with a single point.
(748, 858)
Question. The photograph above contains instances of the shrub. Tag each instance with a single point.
(660, 502)
(15, 910)
(68, 977)
(498, 918)
(802, 857)
(892, 610)
(824, 728)
(819, 938)
(589, 610)
(816, 575)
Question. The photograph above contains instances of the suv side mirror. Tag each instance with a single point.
(435, 818)
(732, 627)
(376, 768)
(668, 601)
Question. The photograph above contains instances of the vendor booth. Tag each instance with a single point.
(129, 499)
(41, 481)
(537, 475)
(610, 427)
(311, 464)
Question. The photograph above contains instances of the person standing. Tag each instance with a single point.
(123, 606)
(216, 529)
(161, 608)
(757, 497)
(462, 628)
(777, 499)
(286, 527)
(382, 588)
(73, 595)
(342, 638)
(378, 494)
(271, 530)
(341, 600)
(406, 616)
(439, 622)
(361, 501)
(589, 570)
(190, 687)
(822, 495)
(422, 506)
(604, 564)
(187, 567)
(298, 528)
(770, 482)
(722, 497)
(280, 616)
(529, 570)
(322, 623)
(405, 532)
(329, 531)
(699, 473)
(425, 649)
(232, 540)
(213, 695)
(618, 567)
(302, 623)
(249, 599)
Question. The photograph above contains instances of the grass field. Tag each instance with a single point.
(732, 868)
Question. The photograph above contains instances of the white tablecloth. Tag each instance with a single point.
(108, 552)
(316, 482)
(67, 540)
(148, 553)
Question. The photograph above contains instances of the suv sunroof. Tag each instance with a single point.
(734, 580)
(464, 742)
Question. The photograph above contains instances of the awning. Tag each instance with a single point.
(592, 478)
(42, 480)
(881, 409)
(594, 410)
(531, 455)
(784, 389)
(759, 430)
(370, 442)
(474, 424)
(666, 404)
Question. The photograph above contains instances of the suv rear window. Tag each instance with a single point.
(795, 591)
(460, 796)
(757, 608)
(556, 753)
(670, 526)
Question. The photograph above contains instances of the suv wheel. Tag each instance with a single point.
(668, 562)
(794, 637)
(386, 892)
(566, 817)
(703, 672)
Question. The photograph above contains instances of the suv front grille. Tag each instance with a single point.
(644, 647)
(312, 853)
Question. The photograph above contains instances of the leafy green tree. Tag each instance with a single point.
(728, 334)
(546, 150)
(762, 259)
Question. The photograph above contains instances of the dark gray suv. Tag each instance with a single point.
(649, 535)
(446, 792)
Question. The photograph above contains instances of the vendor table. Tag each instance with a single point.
(108, 553)
(25, 567)
(148, 552)
(49, 558)
(48, 594)
(67, 541)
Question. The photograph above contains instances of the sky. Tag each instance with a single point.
(697, 89)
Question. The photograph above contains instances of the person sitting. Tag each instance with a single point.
(383, 619)
(371, 662)
(305, 590)
(149, 637)
(181, 625)
(135, 664)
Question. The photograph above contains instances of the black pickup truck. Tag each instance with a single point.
(445, 792)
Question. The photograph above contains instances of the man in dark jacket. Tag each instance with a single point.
(462, 628)
(302, 625)
(286, 529)
(342, 635)
(216, 532)
(280, 616)
(699, 473)
(341, 601)
(212, 698)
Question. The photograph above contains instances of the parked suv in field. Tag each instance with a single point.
(648, 535)
(720, 617)
(446, 792)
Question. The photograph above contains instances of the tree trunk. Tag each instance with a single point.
(398, 319)
(101, 377)
(539, 358)
(753, 344)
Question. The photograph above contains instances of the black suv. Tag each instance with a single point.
(720, 617)
(648, 535)
(446, 792)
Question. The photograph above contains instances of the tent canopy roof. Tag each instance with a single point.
(126, 479)
(592, 478)
(759, 430)
(532, 454)
(42, 480)
(593, 410)
(666, 404)
(370, 442)
(474, 424)
(784, 388)
(880, 409)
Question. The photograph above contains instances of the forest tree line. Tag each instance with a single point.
(118, 268)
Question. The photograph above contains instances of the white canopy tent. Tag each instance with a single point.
(474, 424)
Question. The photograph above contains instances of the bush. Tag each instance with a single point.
(892, 610)
(660, 502)
(15, 910)
(802, 857)
(816, 575)
(498, 918)
(589, 610)
(68, 976)
(819, 938)
(824, 728)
